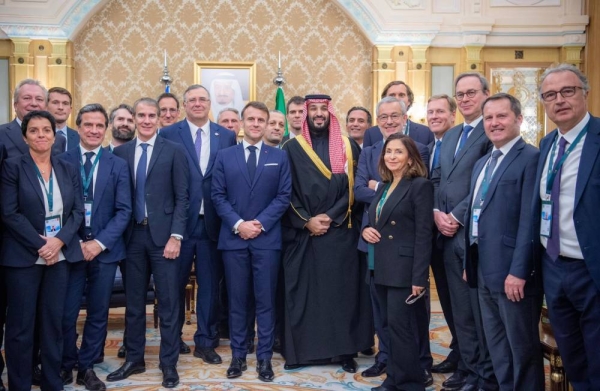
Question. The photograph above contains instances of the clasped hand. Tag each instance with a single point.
(50, 251)
(371, 235)
(446, 223)
(249, 229)
(318, 225)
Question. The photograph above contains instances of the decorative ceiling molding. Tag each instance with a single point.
(384, 22)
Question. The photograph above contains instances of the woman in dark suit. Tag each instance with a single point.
(399, 237)
(41, 211)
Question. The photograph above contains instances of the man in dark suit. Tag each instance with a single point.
(29, 95)
(60, 104)
(463, 145)
(499, 259)
(107, 198)
(2, 294)
(358, 120)
(200, 139)
(402, 92)
(160, 179)
(122, 126)
(391, 117)
(569, 236)
(251, 192)
(441, 114)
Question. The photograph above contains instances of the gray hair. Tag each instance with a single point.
(32, 82)
(194, 87)
(232, 109)
(565, 68)
(390, 99)
(148, 102)
(485, 85)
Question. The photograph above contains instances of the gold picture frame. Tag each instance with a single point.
(230, 84)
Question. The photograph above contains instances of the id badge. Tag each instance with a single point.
(53, 226)
(475, 221)
(546, 220)
(88, 213)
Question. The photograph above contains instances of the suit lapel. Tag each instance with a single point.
(240, 156)
(263, 157)
(393, 199)
(589, 154)
(188, 142)
(215, 141)
(72, 137)
(30, 171)
(476, 134)
(17, 137)
(506, 162)
(131, 159)
(104, 168)
(158, 146)
(449, 146)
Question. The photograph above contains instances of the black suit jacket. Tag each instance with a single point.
(167, 184)
(23, 211)
(402, 255)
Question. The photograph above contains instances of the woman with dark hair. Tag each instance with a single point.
(41, 211)
(399, 238)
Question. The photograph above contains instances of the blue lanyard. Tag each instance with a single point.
(382, 202)
(49, 194)
(485, 185)
(552, 171)
(87, 179)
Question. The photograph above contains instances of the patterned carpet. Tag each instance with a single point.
(196, 375)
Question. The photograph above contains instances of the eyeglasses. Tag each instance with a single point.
(469, 94)
(565, 92)
(385, 117)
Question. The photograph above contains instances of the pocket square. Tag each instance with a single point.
(271, 164)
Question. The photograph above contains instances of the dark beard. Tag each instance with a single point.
(317, 130)
(122, 135)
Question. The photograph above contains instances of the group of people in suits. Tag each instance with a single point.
(500, 222)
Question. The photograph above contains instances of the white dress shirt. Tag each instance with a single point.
(96, 151)
(505, 149)
(138, 155)
(569, 245)
(57, 209)
(204, 151)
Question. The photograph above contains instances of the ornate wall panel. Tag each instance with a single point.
(118, 55)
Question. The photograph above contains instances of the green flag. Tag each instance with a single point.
(280, 105)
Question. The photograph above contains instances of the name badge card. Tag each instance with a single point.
(53, 226)
(546, 220)
(475, 221)
(88, 213)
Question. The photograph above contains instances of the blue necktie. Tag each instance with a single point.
(463, 138)
(61, 133)
(485, 183)
(251, 162)
(553, 244)
(436, 155)
(198, 144)
(87, 167)
(140, 185)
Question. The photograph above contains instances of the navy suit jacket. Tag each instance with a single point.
(111, 208)
(265, 199)
(200, 184)
(11, 137)
(419, 133)
(72, 141)
(586, 214)
(367, 170)
(23, 211)
(451, 182)
(167, 185)
(505, 240)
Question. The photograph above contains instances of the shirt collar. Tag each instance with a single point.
(193, 128)
(475, 122)
(64, 130)
(505, 149)
(246, 144)
(83, 150)
(149, 142)
(19, 121)
(572, 134)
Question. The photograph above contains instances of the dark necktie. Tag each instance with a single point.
(198, 144)
(553, 245)
(140, 185)
(436, 155)
(251, 162)
(485, 183)
(87, 167)
(61, 133)
(463, 138)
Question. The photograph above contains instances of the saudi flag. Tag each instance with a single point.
(280, 105)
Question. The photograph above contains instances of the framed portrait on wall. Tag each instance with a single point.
(231, 84)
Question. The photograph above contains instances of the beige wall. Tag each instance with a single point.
(118, 55)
